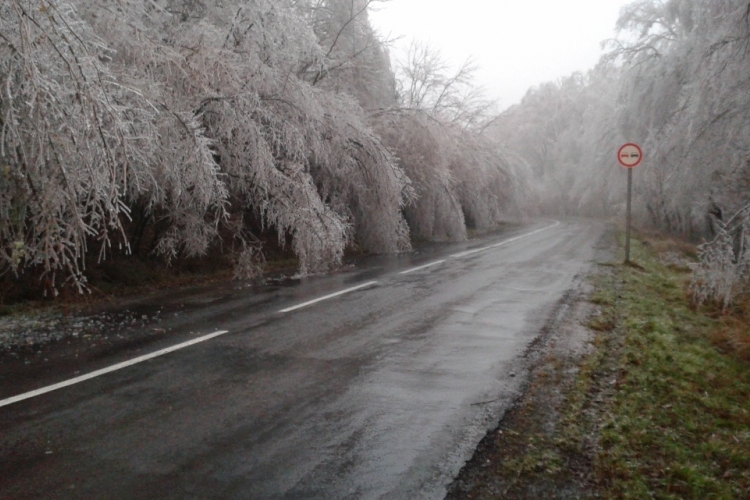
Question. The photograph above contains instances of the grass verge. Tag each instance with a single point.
(679, 424)
(659, 407)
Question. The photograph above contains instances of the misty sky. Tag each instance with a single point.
(517, 43)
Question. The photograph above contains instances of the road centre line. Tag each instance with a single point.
(103, 371)
(469, 252)
(162, 352)
(326, 297)
(511, 240)
(525, 235)
(415, 269)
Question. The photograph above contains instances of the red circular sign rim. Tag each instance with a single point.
(640, 152)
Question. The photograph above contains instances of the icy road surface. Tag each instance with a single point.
(374, 382)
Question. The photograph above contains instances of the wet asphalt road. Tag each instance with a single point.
(383, 392)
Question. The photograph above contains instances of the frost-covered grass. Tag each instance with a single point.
(678, 425)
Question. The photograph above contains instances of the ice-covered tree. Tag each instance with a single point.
(677, 81)
(566, 132)
(78, 146)
(462, 178)
(428, 83)
(355, 60)
(192, 117)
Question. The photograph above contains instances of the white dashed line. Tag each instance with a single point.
(477, 250)
(141, 359)
(103, 371)
(525, 235)
(320, 299)
(469, 252)
(415, 269)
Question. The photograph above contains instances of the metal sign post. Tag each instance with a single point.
(629, 217)
(629, 156)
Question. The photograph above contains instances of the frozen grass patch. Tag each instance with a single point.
(679, 423)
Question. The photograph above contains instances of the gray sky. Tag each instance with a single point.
(517, 43)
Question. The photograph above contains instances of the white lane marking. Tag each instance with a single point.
(415, 269)
(525, 235)
(146, 357)
(477, 250)
(103, 371)
(469, 252)
(320, 299)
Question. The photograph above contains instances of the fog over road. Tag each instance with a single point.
(381, 392)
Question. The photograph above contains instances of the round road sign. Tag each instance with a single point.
(630, 155)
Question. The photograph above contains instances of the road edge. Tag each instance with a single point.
(553, 359)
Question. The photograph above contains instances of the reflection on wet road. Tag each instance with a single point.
(374, 382)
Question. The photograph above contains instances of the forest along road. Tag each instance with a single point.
(379, 392)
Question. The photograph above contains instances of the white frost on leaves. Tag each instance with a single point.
(194, 113)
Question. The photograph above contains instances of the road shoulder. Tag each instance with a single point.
(534, 452)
